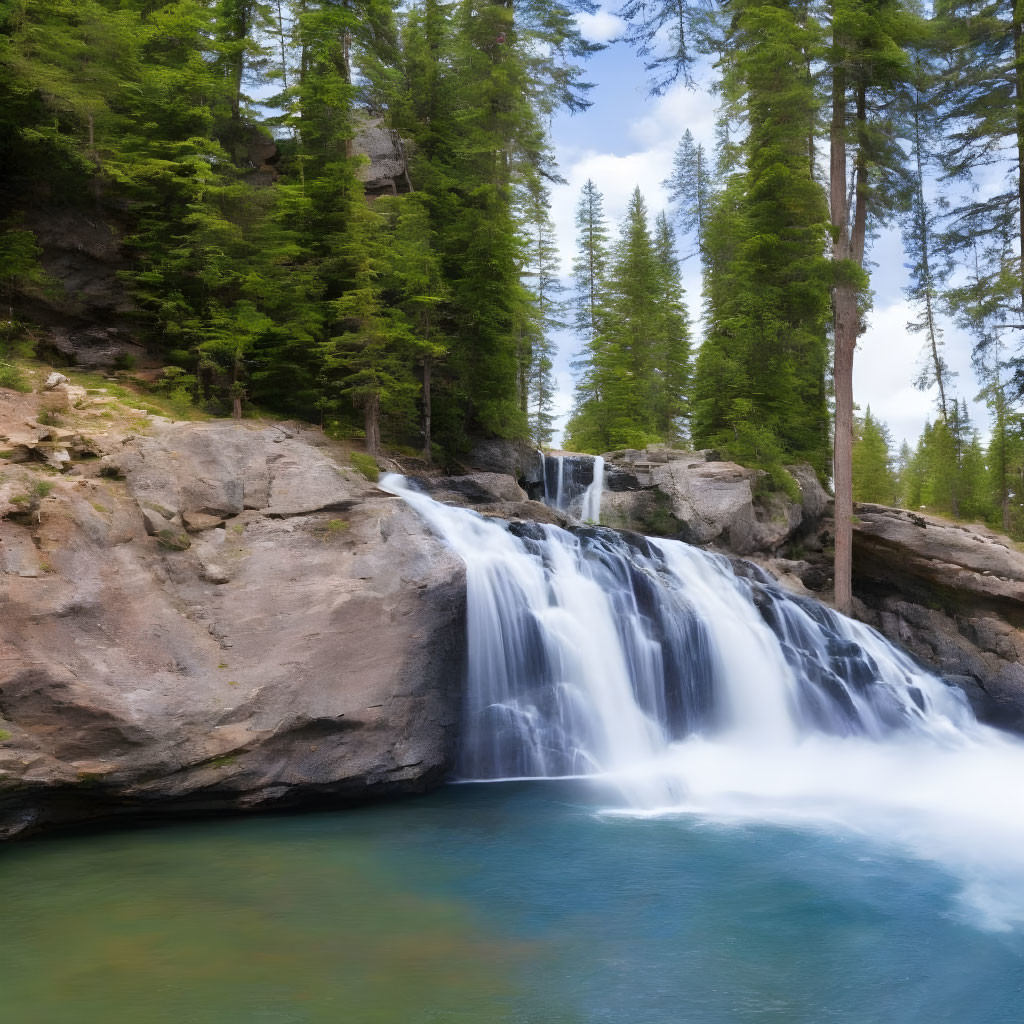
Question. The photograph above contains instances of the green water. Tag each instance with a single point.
(490, 904)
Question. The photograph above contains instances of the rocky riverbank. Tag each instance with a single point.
(215, 616)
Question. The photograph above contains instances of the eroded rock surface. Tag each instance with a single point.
(696, 497)
(951, 593)
(303, 641)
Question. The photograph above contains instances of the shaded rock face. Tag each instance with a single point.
(705, 501)
(517, 459)
(89, 318)
(473, 488)
(303, 643)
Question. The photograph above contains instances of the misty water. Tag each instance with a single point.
(688, 797)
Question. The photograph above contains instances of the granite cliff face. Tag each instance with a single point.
(216, 616)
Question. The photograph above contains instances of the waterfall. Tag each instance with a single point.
(593, 651)
(574, 484)
(653, 667)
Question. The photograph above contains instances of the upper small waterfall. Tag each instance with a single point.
(594, 652)
(574, 484)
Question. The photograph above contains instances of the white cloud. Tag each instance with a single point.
(600, 27)
(884, 367)
(670, 115)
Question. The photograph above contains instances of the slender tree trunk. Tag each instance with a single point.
(846, 329)
(922, 228)
(371, 413)
(236, 388)
(427, 367)
(847, 247)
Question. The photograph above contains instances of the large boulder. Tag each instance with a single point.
(696, 497)
(473, 488)
(305, 644)
(510, 457)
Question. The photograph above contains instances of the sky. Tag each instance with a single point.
(627, 138)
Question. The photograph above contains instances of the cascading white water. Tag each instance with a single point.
(591, 508)
(574, 484)
(651, 664)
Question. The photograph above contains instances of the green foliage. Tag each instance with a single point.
(632, 391)
(690, 189)
(13, 377)
(873, 477)
(759, 389)
(366, 465)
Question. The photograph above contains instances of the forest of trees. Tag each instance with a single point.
(428, 317)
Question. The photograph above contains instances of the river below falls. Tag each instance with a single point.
(518, 902)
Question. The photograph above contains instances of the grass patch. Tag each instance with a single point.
(42, 488)
(13, 377)
(5, 735)
(366, 464)
(176, 407)
(332, 529)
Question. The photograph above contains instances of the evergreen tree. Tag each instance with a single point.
(690, 189)
(629, 395)
(868, 62)
(590, 265)
(668, 34)
(544, 316)
(672, 358)
(873, 477)
(919, 235)
(983, 109)
(759, 388)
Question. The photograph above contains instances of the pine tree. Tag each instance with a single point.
(983, 110)
(919, 234)
(672, 357)
(590, 266)
(626, 377)
(545, 309)
(759, 387)
(669, 34)
(873, 477)
(868, 63)
(690, 189)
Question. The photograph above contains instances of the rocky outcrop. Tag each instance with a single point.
(951, 593)
(88, 317)
(474, 488)
(217, 616)
(695, 497)
(385, 170)
(513, 458)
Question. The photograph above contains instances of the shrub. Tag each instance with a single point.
(366, 464)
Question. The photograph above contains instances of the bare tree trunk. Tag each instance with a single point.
(236, 387)
(848, 247)
(427, 366)
(371, 412)
(846, 325)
